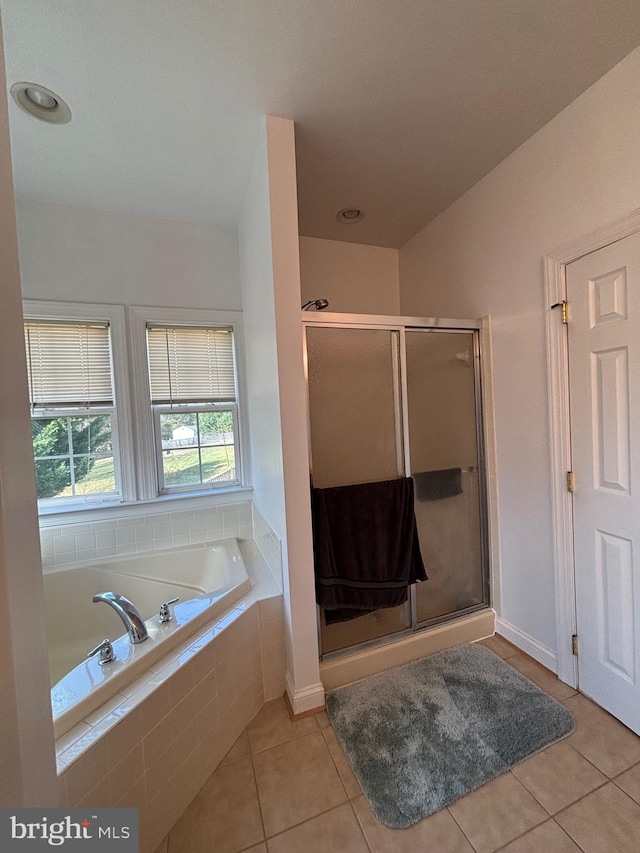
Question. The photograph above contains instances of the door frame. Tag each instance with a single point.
(560, 429)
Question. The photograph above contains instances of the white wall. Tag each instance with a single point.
(261, 362)
(74, 254)
(270, 274)
(28, 775)
(355, 279)
(484, 256)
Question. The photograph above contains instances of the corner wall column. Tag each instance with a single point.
(304, 688)
(28, 776)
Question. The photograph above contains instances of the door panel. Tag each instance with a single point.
(356, 437)
(442, 430)
(353, 402)
(610, 378)
(614, 586)
(603, 291)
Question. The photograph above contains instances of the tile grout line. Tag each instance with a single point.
(511, 840)
(360, 826)
(255, 782)
(584, 796)
(349, 800)
(295, 825)
(326, 746)
(607, 777)
(549, 816)
(281, 743)
(336, 765)
(251, 846)
(628, 796)
(562, 829)
(637, 764)
(568, 806)
(302, 823)
(599, 769)
(553, 816)
(592, 763)
(453, 817)
(533, 828)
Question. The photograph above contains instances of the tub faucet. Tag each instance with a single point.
(133, 621)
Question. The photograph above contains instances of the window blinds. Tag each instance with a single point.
(69, 363)
(191, 365)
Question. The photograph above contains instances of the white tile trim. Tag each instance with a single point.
(76, 544)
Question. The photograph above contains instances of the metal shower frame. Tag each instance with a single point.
(401, 325)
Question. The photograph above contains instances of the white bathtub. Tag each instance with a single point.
(206, 578)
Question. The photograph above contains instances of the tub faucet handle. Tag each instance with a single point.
(106, 652)
(165, 613)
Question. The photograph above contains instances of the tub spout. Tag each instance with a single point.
(132, 620)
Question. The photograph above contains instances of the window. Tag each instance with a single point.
(73, 419)
(192, 379)
(94, 442)
(79, 393)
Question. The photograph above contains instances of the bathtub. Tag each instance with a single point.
(207, 579)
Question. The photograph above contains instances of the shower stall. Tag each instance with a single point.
(397, 397)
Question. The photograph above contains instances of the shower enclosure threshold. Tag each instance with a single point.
(349, 665)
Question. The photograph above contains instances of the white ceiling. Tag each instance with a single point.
(400, 105)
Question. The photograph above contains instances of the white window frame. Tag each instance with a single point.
(122, 436)
(149, 459)
(93, 498)
(158, 410)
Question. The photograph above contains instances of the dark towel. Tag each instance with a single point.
(366, 547)
(435, 485)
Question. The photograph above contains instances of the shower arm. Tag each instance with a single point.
(320, 304)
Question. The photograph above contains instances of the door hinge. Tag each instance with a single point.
(571, 482)
(574, 644)
(565, 310)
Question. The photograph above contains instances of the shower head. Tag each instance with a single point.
(318, 303)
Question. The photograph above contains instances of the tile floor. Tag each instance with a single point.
(286, 787)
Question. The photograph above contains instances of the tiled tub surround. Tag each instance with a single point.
(137, 533)
(269, 545)
(154, 745)
(208, 578)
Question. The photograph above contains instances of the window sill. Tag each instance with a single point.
(56, 516)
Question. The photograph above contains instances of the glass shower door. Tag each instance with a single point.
(356, 437)
(443, 449)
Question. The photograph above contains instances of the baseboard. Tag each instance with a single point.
(310, 698)
(535, 649)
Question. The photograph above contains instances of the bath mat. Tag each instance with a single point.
(424, 734)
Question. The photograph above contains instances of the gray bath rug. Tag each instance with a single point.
(421, 735)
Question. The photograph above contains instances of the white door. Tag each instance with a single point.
(603, 291)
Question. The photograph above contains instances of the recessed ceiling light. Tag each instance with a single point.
(41, 102)
(350, 215)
